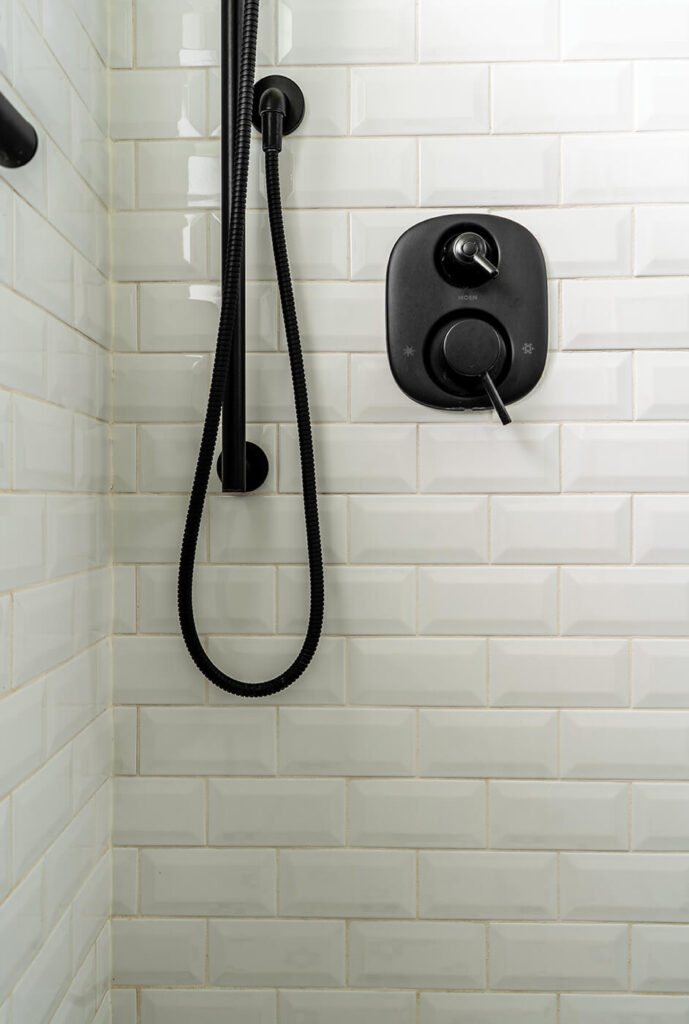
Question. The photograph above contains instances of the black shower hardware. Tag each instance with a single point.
(276, 106)
(18, 139)
(467, 312)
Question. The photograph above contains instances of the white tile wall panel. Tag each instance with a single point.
(125, 881)
(204, 741)
(528, 34)
(43, 262)
(269, 393)
(416, 954)
(159, 812)
(625, 457)
(487, 458)
(123, 1008)
(659, 85)
(271, 529)
(215, 883)
(157, 104)
(43, 446)
(158, 952)
(559, 956)
(660, 528)
(44, 629)
(343, 1007)
(22, 545)
(423, 813)
(74, 854)
(661, 380)
(23, 366)
(498, 170)
(559, 672)
(625, 168)
(376, 398)
(317, 245)
(150, 246)
(338, 316)
(125, 740)
(153, 387)
(148, 528)
(190, 34)
(280, 812)
(661, 241)
(153, 670)
(373, 234)
(5, 855)
(641, 601)
(124, 599)
(255, 658)
(241, 597)
(560, 529)
(659, 671)
(318, 32)
(441, 100)
(184, 317)
(347, 883)
(625, 314)
(263, 954)
(417, 670)
(353, 172)
(477, 743)
(559, 816)
(40, 80)
(5, 641)
(423, 529)
(5, 439)
(347, 741)
(658, 958)
(565, 237)
(363, 600)
(581, 386)
(41, 989)
(563, 97)
(487, 600)
(624, 744)
(488, 884)
(353, 458)
(616, 887)
(41, 808)
(21, 919)
(659, 816)
(614, 28)
(178, 175)
(624, 1009)
(177, 1006)
(486, 1007)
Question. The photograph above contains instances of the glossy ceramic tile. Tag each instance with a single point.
(528, 34)
(318, 32)
(646, 314)
(157, 104)
(420, 100)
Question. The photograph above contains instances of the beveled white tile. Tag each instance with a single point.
(159, 246)
(417, 670)
(43, 262)
(563, 97)
(559, 672)
(178, 175)
(488, 884)
(417, 813)
(21, 919)
(495, 170)
(41, 808)
(511, 744)
(361, 600)
(160, 387)
(352, 172)
(123, 441)
(487, 458)
(628, 602)
(659, 816)
(166, 104)
(625, 457)
(270, 953)
(177, 1006)
(23, 366)
(487, 1007)
(148, 528)
(624, 887)
(624, 1009)
(207, 741)
(416, 954)
(38, 993)
(269, 393)
(341, 317)
(39, 79)
(154, 670)
(661, 240)
(613, 28)
(45, 626)
(559, 956)
(22, 544)
(420, 100)
(190, 34)
(565, 236)
(158, 952)
(325, 32)
(342, 1007)
(487, 600)
(347, 883)
(373, 234)
(317, 242)
(659, 670)
(271, 529)
(624, 744)
(276, 812)
(580, 386)
(347, 741)
(559, 815)
(556, 529)
(418, 529)
(530, 33)
(159, 812)
(43, 446)
(658, 957)
(625, 314)
(659, 86)
(215, 883)
(660, 534)
(661, 379)
(353, 458)
(5, 440)
(240, 598)
(625, 168)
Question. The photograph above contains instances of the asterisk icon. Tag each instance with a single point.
(528, 349)
(409, 351)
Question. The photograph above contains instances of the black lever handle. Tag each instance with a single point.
(495, 398)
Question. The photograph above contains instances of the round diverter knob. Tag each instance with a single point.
(474, 349)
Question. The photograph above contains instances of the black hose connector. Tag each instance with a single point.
(272, 109)
(18, 139)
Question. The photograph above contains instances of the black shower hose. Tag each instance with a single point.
(232, 262)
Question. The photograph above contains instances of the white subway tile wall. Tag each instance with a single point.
(472, 807)
(55, 550)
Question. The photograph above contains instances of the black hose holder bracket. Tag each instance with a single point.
(18, 139)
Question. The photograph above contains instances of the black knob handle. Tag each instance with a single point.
(472, 248)
(473, 348)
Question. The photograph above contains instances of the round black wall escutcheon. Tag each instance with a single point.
(296, 105)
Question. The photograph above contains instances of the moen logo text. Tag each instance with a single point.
(467, 297)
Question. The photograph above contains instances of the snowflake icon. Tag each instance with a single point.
(408, 351)
(528, 349)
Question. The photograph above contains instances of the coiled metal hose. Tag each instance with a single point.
(232, 260)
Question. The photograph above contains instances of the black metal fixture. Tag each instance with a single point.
(18, 139)
(467, 313)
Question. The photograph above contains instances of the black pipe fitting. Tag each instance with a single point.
(272, 109)
(18, 139)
